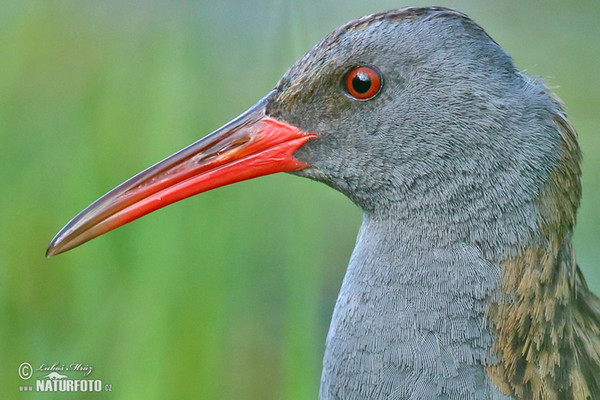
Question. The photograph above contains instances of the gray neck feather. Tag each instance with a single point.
(410, 319)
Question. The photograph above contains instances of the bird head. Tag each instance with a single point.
(412, 113)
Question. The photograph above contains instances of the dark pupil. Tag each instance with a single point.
(361, 83)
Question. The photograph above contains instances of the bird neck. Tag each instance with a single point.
(407, 308)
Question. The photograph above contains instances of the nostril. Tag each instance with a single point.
(233, 145)
(202, 157)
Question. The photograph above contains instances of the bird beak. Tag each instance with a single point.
(250, 146)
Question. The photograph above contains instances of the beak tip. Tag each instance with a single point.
(55, 247)
(51, 251)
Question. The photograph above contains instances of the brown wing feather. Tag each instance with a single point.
(586, 338)
(546, 320)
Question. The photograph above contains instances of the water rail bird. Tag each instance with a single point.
(463, 283)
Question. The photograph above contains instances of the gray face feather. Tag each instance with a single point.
(455, 126)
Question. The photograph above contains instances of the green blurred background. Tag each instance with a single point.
(226, 295)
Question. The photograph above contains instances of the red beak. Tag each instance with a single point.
(251, 145)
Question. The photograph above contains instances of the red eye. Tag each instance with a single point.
(363, 82)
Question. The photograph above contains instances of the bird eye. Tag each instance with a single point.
(363, 82)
